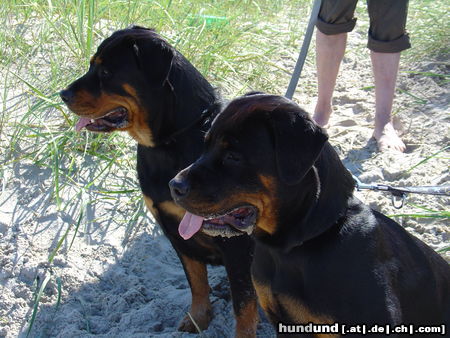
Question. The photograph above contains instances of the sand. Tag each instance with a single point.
(127, 282)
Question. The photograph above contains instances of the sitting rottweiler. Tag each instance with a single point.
(138, 83)
(321, 255)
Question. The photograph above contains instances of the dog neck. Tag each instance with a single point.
(184, 96)
(315, 205)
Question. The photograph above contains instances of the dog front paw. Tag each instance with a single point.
(201, 318)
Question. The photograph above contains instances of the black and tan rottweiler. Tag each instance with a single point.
(138, 83)
(321, 255)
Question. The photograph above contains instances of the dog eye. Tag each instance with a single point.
(105, 74)
(232, 157)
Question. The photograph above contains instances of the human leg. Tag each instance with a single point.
(387, 38)
(330, 50)
(335, 20)
(385, 69)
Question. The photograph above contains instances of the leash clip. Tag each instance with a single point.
(398, 200)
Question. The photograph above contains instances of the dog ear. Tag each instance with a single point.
(155, 57)
(253, 93)
(133, 26)
(298, 143)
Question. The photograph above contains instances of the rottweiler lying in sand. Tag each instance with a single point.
(321, 255)
(138, 83)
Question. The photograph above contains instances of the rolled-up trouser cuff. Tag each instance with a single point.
(394, 46)
(335, 28)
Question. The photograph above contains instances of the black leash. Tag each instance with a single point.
(399, 193)
(304, 49)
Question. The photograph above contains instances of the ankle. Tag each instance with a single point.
(383, 127)
(322, 114)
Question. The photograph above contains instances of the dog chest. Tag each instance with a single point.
(279, 287)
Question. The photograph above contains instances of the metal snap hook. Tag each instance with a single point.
(398, 200)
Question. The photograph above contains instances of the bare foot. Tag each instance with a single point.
(387, 138)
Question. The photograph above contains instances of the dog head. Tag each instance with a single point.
(127, 74)
(260, 150)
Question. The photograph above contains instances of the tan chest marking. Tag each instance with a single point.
(172, 209)
(298, 312)
(151, 207)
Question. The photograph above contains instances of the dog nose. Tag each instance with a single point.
(178, 188)
(66, 95)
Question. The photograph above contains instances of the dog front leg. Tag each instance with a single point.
(201, 310)
(237, 262)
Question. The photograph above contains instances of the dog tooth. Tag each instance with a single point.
(92, 121)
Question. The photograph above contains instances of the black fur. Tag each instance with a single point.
(325, 257)
(171, 95)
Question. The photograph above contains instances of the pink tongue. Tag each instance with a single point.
(82, 122)
(189, 225)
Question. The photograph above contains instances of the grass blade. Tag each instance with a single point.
(77, 226)
(36, 302)
(426, 159)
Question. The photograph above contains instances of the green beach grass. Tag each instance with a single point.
(45, 45)
(237, 45)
